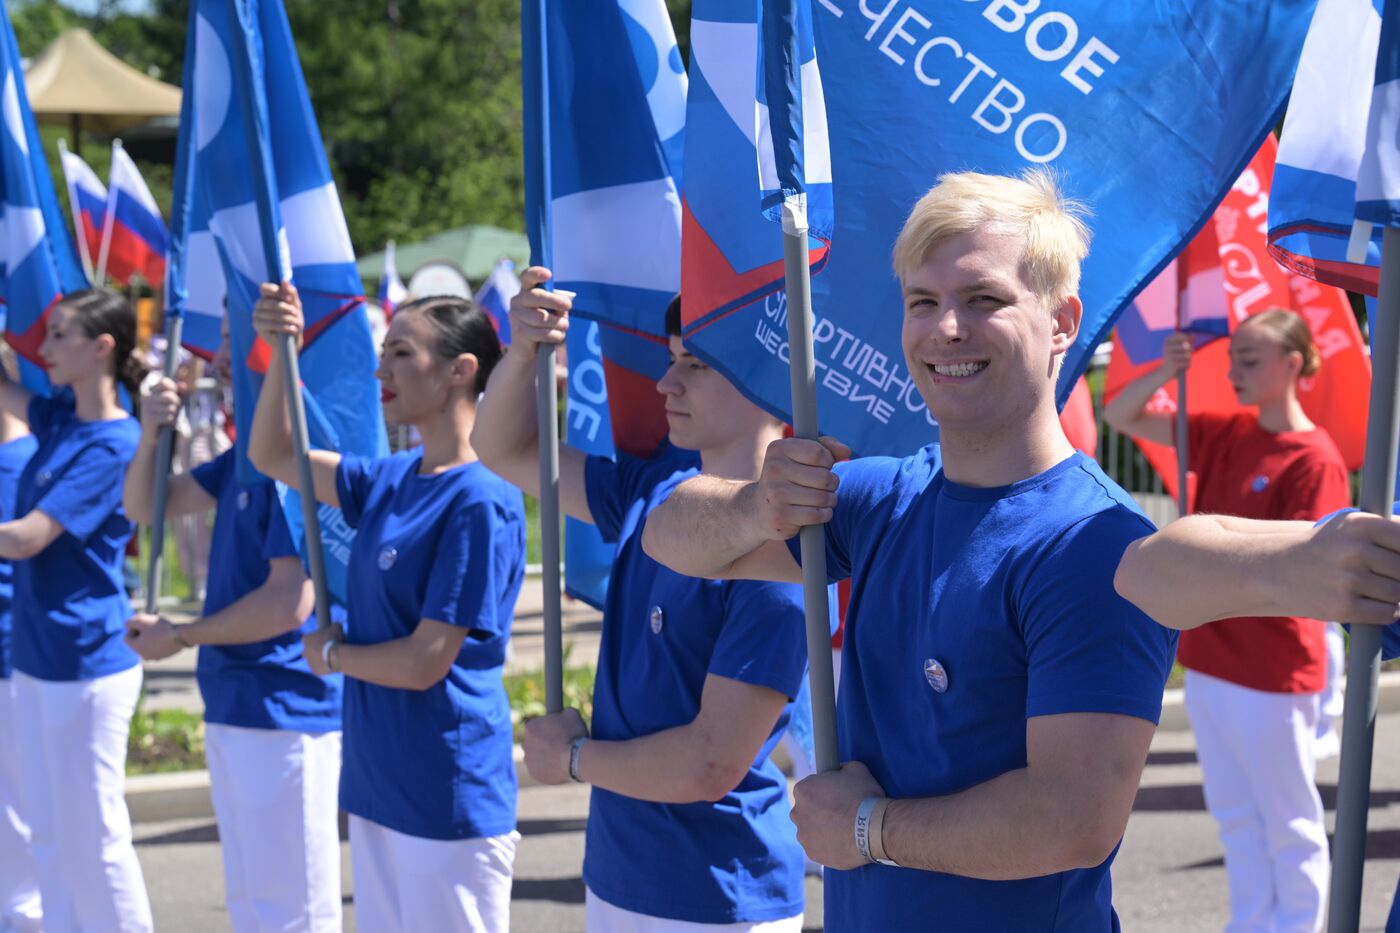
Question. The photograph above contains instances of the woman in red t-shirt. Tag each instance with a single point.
(1252, 684)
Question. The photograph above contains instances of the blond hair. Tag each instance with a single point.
(1292, 333)
(1056, 236)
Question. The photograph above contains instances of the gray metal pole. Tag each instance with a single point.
(1183, 444)
(306, 481)
(547, 409)
(802, 364)
(165, 446)
(1364, 653)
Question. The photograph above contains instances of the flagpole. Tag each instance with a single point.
(165, 446)
(1364, 654)
(1183, 446)
(798, 282)
(278, 261)
(77, 214)
(110, 216)
(534, 19)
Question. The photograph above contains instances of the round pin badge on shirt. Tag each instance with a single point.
(658, 619)
(44, 477)
(1260, 483)
(243, 499)
(936, 675)
(387, 558)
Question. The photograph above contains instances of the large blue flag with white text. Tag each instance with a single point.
(1337, 174)
(37, 262)
(1146, 112)
(264, 205)
(604, 118)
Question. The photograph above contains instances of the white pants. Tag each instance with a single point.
(275, 797)
(72, 737)
(408, 884)
(1331, 700)
(601, 917)
(19, 883)
(1256, 755)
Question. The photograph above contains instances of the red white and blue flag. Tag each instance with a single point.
(88, 198)
(261, 199)
(134, 238)
(914, 89)
(392, 292)
(604, 132)
(1338, 174)
(37, 262)
(495, 294)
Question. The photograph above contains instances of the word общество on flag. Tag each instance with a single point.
(1118, 99)
(264, 204)
(37, 262)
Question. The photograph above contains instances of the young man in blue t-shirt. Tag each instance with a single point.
(688, 820)
(998, 697)
(272, 727)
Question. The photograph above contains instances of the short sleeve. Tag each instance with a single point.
(1088, 649)
(211, 476)
(764, 639)
(464, 583)
(277, 540)
(353, 478)
(84, 495)
(866, 483)
(612, 486)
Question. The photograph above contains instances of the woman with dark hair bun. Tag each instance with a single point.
(437, 563)
(75, 678)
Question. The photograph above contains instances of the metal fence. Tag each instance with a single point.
(1121, 459)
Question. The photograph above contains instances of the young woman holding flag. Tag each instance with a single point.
(272, 727)
(1253, 683)
(437, 563)
(75, 679)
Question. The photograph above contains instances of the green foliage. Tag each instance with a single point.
(418, 101)
(165, 740)
(526, 693)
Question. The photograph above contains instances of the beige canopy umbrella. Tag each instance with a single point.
(77, 82)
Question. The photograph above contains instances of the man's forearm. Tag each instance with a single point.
(704, 526)
(671, 766)
(266, 612)
(1207, 567)
(1005, 829)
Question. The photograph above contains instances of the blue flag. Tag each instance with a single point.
(37, 263)
(1147, 112)
(263, 203)
(604, 118)
(1337, 174)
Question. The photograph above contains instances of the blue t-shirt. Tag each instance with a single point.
(971, 611)
(71, 606)
(265, 684)
(13, 456)
(432, 763)
(733, 861)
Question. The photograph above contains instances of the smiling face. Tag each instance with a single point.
(68, 353)
(1262, 369)
(704, 411)
(415, 382)
(981, 346)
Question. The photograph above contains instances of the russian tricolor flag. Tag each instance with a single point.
(134, 238)
(391, 288)
(88, 198)
(495, 294)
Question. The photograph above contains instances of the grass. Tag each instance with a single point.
(165, 740)
(532, 530)
(526, 694)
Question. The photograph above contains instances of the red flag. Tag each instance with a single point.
(1336, 398)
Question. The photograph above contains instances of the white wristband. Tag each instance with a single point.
(574, 749)
(326, 647)
(867, 806)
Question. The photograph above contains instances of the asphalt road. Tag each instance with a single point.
(1168, 877)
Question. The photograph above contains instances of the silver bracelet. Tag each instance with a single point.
(867, 806)
(574, 750)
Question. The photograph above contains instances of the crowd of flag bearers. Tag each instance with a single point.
(1012, 618)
